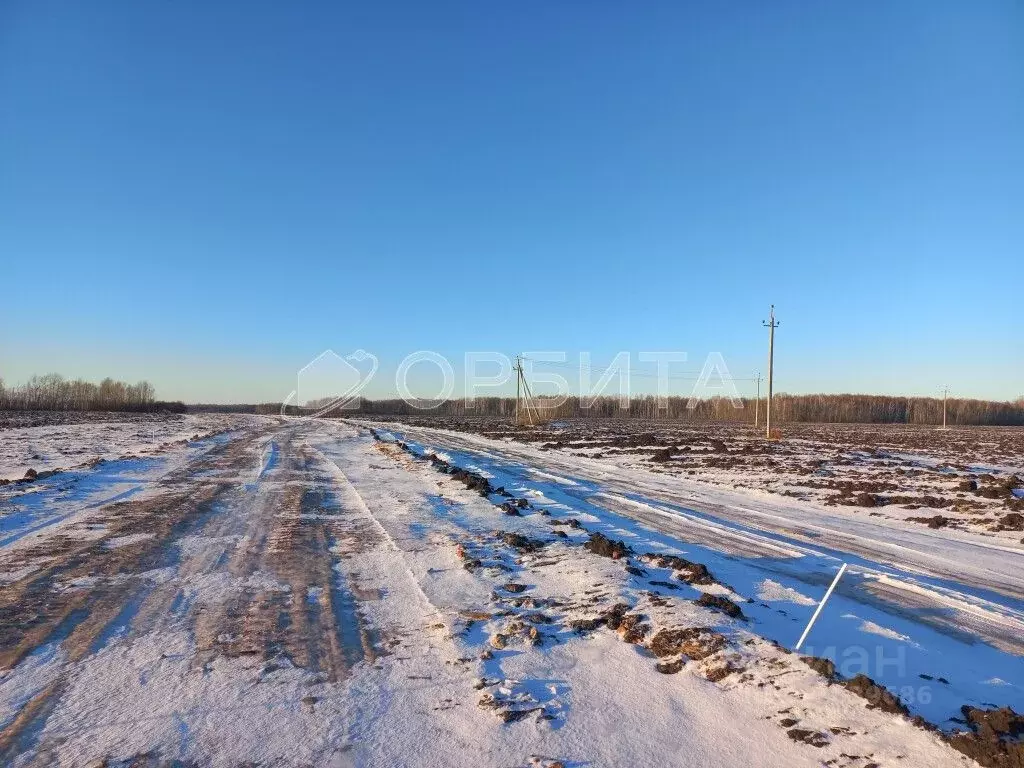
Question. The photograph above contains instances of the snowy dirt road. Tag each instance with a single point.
(298, 592)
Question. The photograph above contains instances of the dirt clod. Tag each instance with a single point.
(938, 521)
(1012, 522)
(664, 454)
(719, 603)
(695, 642)
(994, 738)
(878, 696)
(716, 674)
(686, 570)
(586, 625)
(520, 542)
(600, 544)
(814, 738)
(824, 667)
(613, 616)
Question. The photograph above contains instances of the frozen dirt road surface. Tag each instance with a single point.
(914, 601)
(297, 592)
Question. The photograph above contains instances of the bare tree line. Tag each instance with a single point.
(821, 408)
(53, 392)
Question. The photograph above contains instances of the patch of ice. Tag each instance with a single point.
(878, 629)
(771, 592)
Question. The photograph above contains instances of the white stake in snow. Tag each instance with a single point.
(820, 606)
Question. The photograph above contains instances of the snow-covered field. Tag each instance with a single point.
(961, 479)
(306, 592)
(44, 442)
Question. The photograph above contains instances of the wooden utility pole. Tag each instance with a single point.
(945, 392)
(522, 386)
(757, 402)
(772, 325)
(519, 377)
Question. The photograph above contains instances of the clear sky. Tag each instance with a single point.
(208, 197)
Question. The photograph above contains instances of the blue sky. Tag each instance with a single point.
(209, 197)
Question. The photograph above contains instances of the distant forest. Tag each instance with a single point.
(849, 408)
(53, 392)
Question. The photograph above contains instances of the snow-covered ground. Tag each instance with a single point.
(912, 607)
(298, 592)
(56, 444)
(963, 479)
